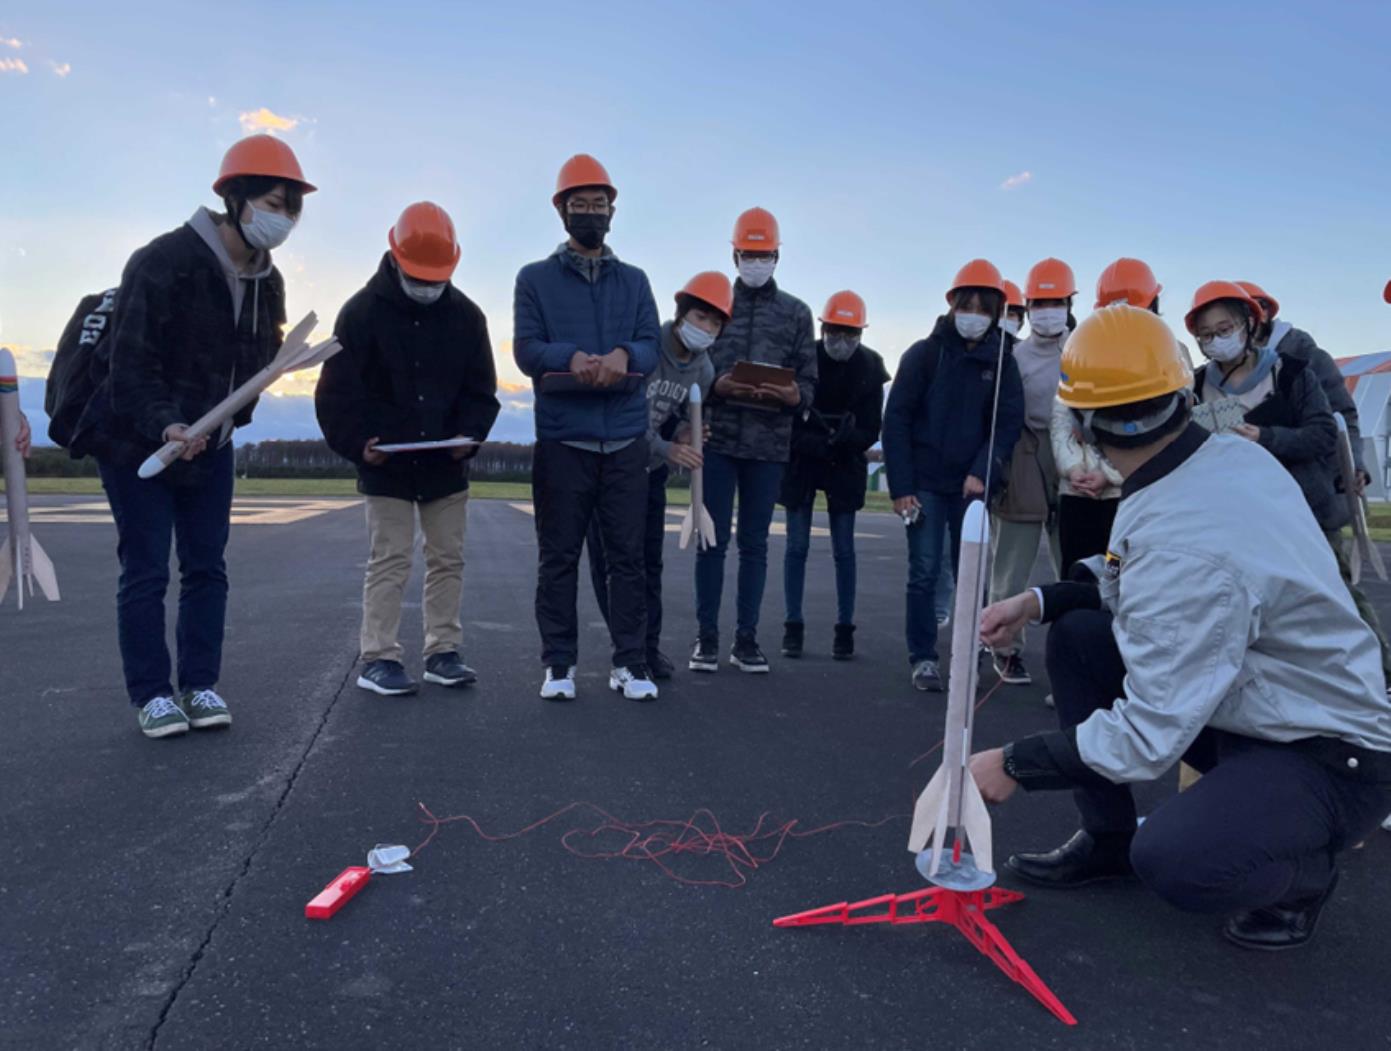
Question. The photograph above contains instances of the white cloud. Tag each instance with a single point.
(13, 42)
(263, 120)
(61, 69)
(1015, 181)
(13, 65)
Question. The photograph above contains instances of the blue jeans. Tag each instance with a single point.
(946, 585)
(757, 482)
(197, 518)
(794, 563)
(937, 530)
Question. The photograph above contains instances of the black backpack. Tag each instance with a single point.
(79, 365)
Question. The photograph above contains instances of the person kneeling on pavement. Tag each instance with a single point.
(1217, 629)
(416, 366)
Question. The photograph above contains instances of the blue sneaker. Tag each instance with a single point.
(161, 717)
(387, 678)
(447, 669)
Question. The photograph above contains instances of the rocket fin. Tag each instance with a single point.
(707, 528)
(927, 811)
(42, 568)
(7, 571)
(976, 820)
(687, 526)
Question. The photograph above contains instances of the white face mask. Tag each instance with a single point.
(1048, 321)
(695, 337)
(1011, 326)
(841, 348)
(267, 230)
(1225, 348)
(421, 292)
(756, 272)
(972, 326)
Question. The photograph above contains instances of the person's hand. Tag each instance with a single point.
(725, 387)
(1001, 622)
(22, 439)
(1359, 483)
(178, 432)
(465, 452)
(1088, 483)
(585, 367)
(972, 487)
(611, 367)
(1247, 431)
(680, 454)
(906, 505)
(370, 454)
(988, 770)
(789, 395)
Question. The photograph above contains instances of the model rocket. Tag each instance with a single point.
(295, 354)
(21, 557)
(697, 521)
(950, 813)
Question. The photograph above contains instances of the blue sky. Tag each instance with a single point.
(893, 141)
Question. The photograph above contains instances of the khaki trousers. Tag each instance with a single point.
(391, 529)
(1014, 550)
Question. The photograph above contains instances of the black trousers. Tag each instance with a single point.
(1084, 528)
(654, 537)
(572, 488)
(1263, 824)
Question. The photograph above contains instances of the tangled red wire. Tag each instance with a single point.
(660, 841)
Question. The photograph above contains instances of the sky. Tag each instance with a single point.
(893, 141)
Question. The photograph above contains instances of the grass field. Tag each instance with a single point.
(347, 487)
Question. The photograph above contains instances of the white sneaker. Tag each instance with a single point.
(559, 684)
(634, 681)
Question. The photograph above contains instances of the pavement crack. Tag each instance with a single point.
(225, 902)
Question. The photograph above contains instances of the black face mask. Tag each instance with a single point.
(588, 228)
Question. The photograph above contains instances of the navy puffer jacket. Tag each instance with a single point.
(558, 311)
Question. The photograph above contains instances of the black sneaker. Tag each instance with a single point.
(793, 633)
(387, 678)
(1010, 668)
(746, 656)
(706, 655)
(659, 664)
(446, 669)
(843, 648)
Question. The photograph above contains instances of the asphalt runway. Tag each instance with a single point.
(152, 892)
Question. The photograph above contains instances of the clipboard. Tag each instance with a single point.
(568, 383)
(755, 374)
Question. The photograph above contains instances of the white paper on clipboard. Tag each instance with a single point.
(420, 447)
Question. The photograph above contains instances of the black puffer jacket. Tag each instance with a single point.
(1297, 428)
(174, 351)
(407, 372)
(829, 441)
(772, 328)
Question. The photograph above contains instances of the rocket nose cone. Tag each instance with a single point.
(7, 365)
(695, 389)
(975, 526)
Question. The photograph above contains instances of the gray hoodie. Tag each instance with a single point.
(669, 387)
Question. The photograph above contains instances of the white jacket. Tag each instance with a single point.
(1229, 612)
(1071, 453)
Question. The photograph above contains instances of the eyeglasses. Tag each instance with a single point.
(1223, 331)
(578, 207)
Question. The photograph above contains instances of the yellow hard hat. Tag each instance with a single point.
(1120, 355)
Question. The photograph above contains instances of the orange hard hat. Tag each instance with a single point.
(261, 155)
(1050, 279)
(1119, 355)
(844, 308)
(1217, 290)
(713, 289)
(756, 231)
(1130, 280)
(582, 170)
(978, 273)
(1256, 292)
(423, 243)
(1013, 297)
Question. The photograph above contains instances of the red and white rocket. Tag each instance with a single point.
(21, 557)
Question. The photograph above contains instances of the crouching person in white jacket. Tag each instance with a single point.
(1216, 628)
